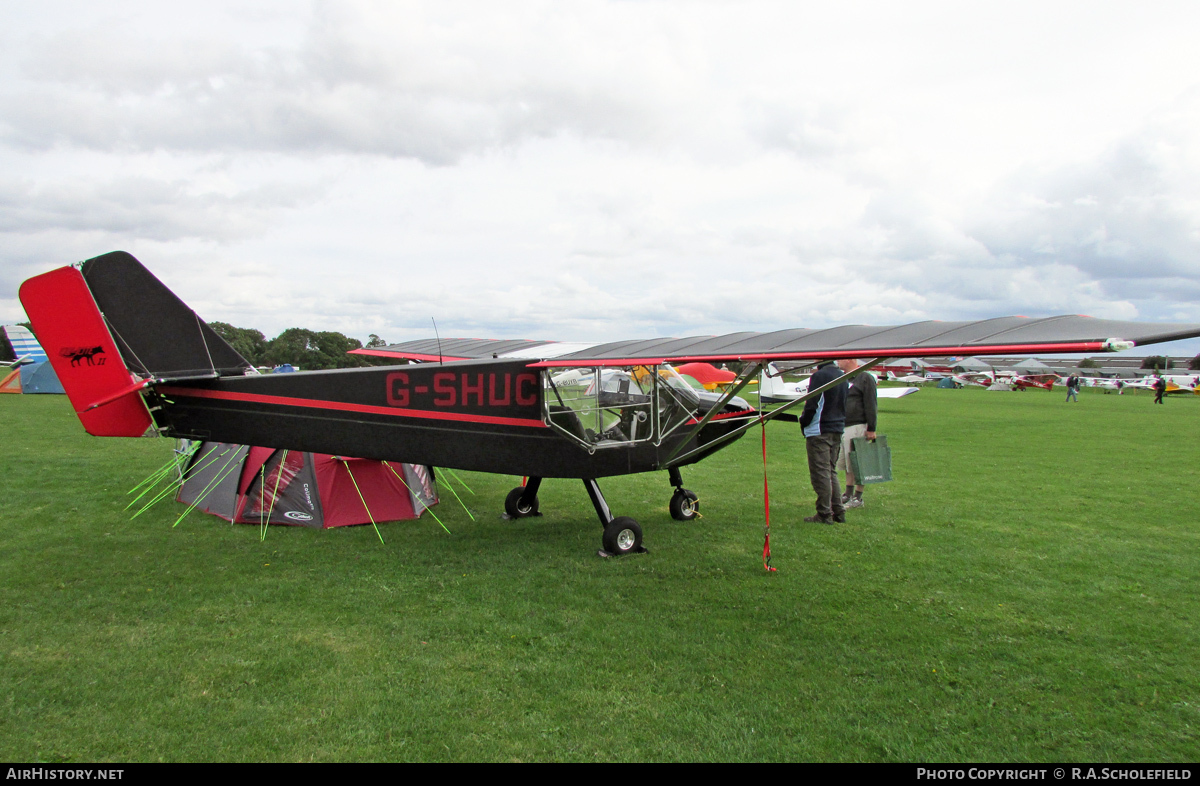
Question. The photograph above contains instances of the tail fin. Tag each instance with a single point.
(110, 328)
(158, 335)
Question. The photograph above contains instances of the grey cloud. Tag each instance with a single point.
(333, 93)
(1131, 215)
(1176, 291)
(811, 130)
(142, 208)
(1118, 235)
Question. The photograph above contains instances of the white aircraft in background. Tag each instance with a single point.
(773, 389)
(1141, 383)
(974, 378)
(1180, 383)
(1104, 383)
(910, 379)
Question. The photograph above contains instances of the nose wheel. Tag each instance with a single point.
(685, 505)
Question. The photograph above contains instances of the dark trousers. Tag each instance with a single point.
(823, 451)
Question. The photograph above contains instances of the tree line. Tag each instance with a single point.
(307, 349)
(1164, 363)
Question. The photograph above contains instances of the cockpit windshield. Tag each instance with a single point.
(601, 407)
(608, 407)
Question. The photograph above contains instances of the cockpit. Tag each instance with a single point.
(602, 407)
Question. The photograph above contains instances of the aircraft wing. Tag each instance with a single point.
(999, 336)
(895, 392)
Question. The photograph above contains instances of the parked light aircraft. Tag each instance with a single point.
(974, 378)
(773, 389)
(1141, 383)
(1043, 381)
(472, 404)
(1182, 383)
(911, 379)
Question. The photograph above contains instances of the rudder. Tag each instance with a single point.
(110, 328)
(71, 329)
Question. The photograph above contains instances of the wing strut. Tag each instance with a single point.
(672, 461)
(716, 408)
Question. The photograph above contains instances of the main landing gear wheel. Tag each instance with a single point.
(517, 509)
(622, 535)
(685, 505)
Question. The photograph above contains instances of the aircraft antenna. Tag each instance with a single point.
(439, 339)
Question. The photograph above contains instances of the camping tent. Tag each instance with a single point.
(10, 380)
(40, 378)
(33, 374)
(253, 485)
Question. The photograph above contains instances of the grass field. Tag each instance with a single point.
(1025, 590)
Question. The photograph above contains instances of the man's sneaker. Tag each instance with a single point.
(846, 498)
(839, 518)
(818, 519)
(855, 502)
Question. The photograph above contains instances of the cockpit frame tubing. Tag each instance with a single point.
(664, 430)
(592, 447)
(767, 370)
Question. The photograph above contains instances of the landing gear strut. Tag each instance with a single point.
(685, 505)
(622, 535)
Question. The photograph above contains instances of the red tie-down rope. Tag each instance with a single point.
(766, 500)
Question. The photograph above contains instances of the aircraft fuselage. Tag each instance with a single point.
(487, 416)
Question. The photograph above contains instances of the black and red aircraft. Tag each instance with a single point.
(534, 408)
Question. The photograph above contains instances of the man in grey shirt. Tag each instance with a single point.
(862, 404)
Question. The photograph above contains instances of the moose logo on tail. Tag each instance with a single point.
(79, 354)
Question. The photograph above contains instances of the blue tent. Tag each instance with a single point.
(40, 378)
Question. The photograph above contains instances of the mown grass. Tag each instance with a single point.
(1025, 590)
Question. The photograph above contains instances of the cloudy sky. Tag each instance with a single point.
(603, 170)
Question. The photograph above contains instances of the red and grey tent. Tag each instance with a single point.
(253, 485)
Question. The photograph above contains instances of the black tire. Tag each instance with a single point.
(514, 508)
(623, 535)
(685, 505)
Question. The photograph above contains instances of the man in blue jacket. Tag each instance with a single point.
(823, 420)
